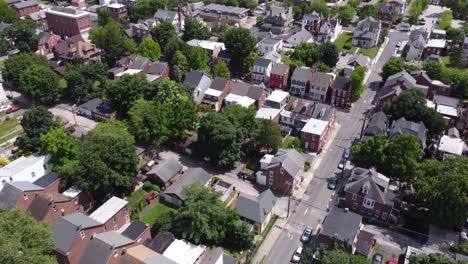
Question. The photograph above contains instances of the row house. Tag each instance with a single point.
(316, 86)
(69, 49)
(268, 45)
(212, 47)
(165, 173)
(113, 214)
(387, 12)
(435, 87)
(175, 194)
(274, 105)
(47, 42)
(281, 172)
(39, 18)
(423, 44)
(217, 92)
(279, 76)
(234, 16)
(261, 70)
(200, 82)
(136, 64)
(278, 19)
(318, 128)
(246, 95)
(296, 114)
(25, 169)
(397, 83)
(322, 29)
(25, 8)
(368, 193)
(118, 11)
(341, 92)
(67, 22)
(300, 81)
(172, 17)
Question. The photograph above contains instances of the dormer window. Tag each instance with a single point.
(365, 191)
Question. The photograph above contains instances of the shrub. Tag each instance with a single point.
(306, 166)
(215, 179)
(147, 186)
(348, 45)
(156, 188)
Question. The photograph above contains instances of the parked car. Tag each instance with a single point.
(378, 258)
(398, 44)
(332, 184)
(392, 261)
(13, 109)
(4, 107)
(297, 255)
(346, 153)
(342, 164)
(306, 235)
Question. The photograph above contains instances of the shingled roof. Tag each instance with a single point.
(256, 208)
(371, 184)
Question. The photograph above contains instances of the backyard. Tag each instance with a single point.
(10, 128)
(343, 43)
(153, 214)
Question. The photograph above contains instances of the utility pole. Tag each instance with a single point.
(289, 204)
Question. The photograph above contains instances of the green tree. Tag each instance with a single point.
(170, 91)
(220, 139)
(456, 57)
(370, 153)
(442, 187)
(346, 13)
(123, 92)
(308, 53)
(221, 70)
(173, 45)
(402, 154)
(195, 30)
(146, 8)
(247, 63)
(113, 40)
(85, 82)
(368, 11)
(268, 136)
(244, 119)
(239, 238)
(147, 124)
(23, 34)
(445, 20)
(292, 142)
(338, 256)
(104, 16)
(357, 83)
(39, 82)
(36, 121)
(395, 65)
(433, 258)
(149, 48)
(62, 147)
(320, 6)
(329, 53)
(433, 69)
(163, 32)
(241, 44)
(106, 162)
(456, 35)
(7, 14)
(25, 240)
(198, 59)
(180, 66)
(16, 65)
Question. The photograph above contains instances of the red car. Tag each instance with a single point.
(13, 109)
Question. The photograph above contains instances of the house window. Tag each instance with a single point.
(125, 209)
(82, 234)
(377, 213)
(114, 219)
(354, 205)
(271, 173)
(384, 215)
(354, 197)
(116, 253)
(105, 228)
(33, 174)
(54, 208)
(127, 218)
(25, 197)
(44, 166)
(281, 170)
(115, 227)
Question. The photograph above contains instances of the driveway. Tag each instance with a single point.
(64, 111)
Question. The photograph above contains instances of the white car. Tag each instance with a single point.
(297, 255)
(4, 107)
(398, 44)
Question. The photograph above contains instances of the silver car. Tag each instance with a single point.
(306, 235)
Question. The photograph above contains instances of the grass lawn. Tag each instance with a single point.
(342, 39)
(446, 60)
(153, 214)
(135, 198)
(2, 114)
(10, 136)
(8, 125)
(372, 52)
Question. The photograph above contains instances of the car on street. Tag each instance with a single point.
(392, 261)
(346, 153)
(297, 255)
(4, 107)
(398, 44)
(306, 235)
(13, 109)
(332, 183)
(342, 164)
(378, 258)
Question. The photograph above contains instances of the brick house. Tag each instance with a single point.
(39, 18)
(24, 168)
(341, 92)
(67, 50)
(256, 211)
(113, 214)
(67, 22)
(47, 42)
(165, 173)
(278, 19)
(279, 76)
(246, 94)
(319, 127)
(26, 7)
(118, 11)
(218, 90)
(435, 86)
(367, 193)
(282, 171)
(296, 114)
(153, 70)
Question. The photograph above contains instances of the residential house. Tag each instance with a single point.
(47, 42)
(217, 256)
(278, 19)
(447, 107)
(300, 81)
(417, 44)
(49, 206)
(268, 45)
(234, 16)
(20, 194)
(69, 49)
(39, 18)
(181, 251)
(141, 254)
(71, 234)
(322, 29)
(434, 47)
(24, 169)
(279, 76)
(341, 92)
(27, 7)
(367, 32)
(342, 227)
(397, 83)
(298, 38)
(136, 64)
(261, 70)
(160, 242)
(274, 105)
(358, 60)
(67, 22)
(378, 125)
(246, 94)
(97, 110)
(296, 114)
(320, 85)
(163, 15)
(397, 5)
(281, 172)
(118, 11)
(387, 12)
(109, 247)
(140, 31)
(113, 214)
(273, 56)
(174, 195)
(165, 173)
(212, 47)
(368, 193)
(318, 128)
(225, 55)
(256, 211)
(435, 86)
(219, 89)
(451, 144)
(200, 82)
(403, 126)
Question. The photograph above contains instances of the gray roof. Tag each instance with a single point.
(212, 256)
(341, 83)
(269, 41)
(291, 160)
(25, 4)
(279, 69)
(244, 89)
(193, 175)
(225, 9)
(368, 24)
(301, 73)
(364, 243)
(198, 78)
(9, 195)
(165, 15)
(26, 186)
(377, 124)
(46, 180)
(157, 68)
(166, 169)
(219, 83)
(321, 78)
(256, 208)
(262, 62)
(66, 229)
(229, 259)
(160, 242)
(341, 224)
(135, 230)
(91, 105)
(101, 247)
(451, 132)
(375, 183)
(360, 59)
(299, 37)
(159, 259)
(402, 78)
(139, 62)
(445, 100)
(403, 126)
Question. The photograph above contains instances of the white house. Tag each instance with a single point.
(417, 43)
(163, 15)
(261, 70)
(25, 169)
(298, 38)
(268, 45)
(366, 34)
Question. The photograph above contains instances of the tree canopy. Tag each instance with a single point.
(267, 136)
(23, 34)
(163, 32)
(146, 8)
(149, 48)
(179, 66)
(311, 53)
(16, 65)
(85, 82)
(36, 121)
(198, 59)
(221, 70)
(395, 65)
(41, 83)
(357, 83)
(241, 43)
(62, 147)
(123, 92)
(7, 14)
(195, 30)
(25, 240)
(433, 258)
(346, 13)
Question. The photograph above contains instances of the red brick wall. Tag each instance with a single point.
(120, 219)
(78, 246)
(67, 26)
(350, 203)
(69, 207)
(24, 204)
(278, 81)
(28, 10)
(282, 183)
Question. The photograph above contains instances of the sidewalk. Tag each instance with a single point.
(270, 240)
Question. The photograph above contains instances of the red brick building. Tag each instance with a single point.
(47, 42)
(319, 127)
(341, 92)
(279, 76)
(26, 7)
(67, 22)
(113, 214)
(118, 11)
(219, 89)
(367, 193)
